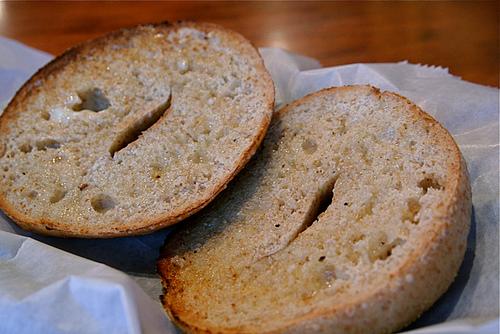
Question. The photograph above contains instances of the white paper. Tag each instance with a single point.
(45, 289)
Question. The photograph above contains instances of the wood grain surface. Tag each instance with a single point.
(463, 36)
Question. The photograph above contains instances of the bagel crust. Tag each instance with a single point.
(133, 131)
(353, 218)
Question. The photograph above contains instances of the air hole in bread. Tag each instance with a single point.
(410, 214)
(196, 157)
(92, 99)
(331, 273)
(309, 146)
(352, 255)
(342, 128)
(45, 115)
(366, 210)
(57, 195)
(156, 171)
(357, 238)
(202, 124)
(365, 155)
(32, 194)
(134, 130)
(207, 175)
(25, 148)
(379, 248)
(102, 203)
(45, 144)
(429, 182)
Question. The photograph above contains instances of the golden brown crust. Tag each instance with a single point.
(141, 226)
(413, 286)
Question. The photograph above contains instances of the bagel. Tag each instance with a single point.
(132, 131)
(353, 218)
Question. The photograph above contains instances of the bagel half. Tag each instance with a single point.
(132, 131)
(353, 218)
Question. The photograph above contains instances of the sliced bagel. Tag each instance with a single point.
(132, 131)
(352, 219)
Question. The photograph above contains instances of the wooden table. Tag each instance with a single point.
(463, 36)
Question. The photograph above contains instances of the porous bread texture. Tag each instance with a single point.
(205, 87)
(352, 218)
